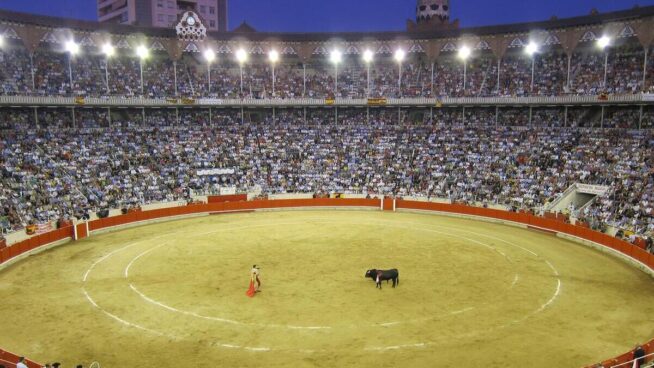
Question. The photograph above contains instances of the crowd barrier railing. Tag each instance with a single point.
(238, 204)
(135, 101)
(10, 360)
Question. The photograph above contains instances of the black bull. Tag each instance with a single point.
(380, 275)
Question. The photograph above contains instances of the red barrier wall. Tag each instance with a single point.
(9, 360)
(35, 242)
(227, 198)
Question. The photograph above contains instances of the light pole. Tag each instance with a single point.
(273, 56)
(464, 54)
(603, 42)
(531, 50)
(241, 57)
(335, 58)
(399, 57)
(108, 51)
(142, 52)
(210, 56)
(367, 58)
(73, 49)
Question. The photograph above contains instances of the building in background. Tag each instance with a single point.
(432, 15)
(163, 13)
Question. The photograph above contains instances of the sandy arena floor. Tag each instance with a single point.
(471, 294)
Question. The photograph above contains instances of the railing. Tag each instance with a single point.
(305, 102)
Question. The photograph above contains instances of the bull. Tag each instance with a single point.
(380, 275)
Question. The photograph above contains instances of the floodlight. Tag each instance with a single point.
(335, 57)
(464, 52)
(209, 55)
(273, 56)
(531, 48)
(603, 42)
(241, 56)
(142, 52)
(107, 49)
(72, 47)
(399, 55)
(367, 56)
(2, 41)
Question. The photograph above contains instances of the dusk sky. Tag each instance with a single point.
(354, 15)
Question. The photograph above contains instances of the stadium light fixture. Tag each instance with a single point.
(241, 56)
(603, 42)
(2, 41)
(273, 56)
(531, 48)
(209, 55)
(399, 55)
(108, 49)
(335, 57)
(142, 52)
(464, 52)
(72, 47)
(368, 56)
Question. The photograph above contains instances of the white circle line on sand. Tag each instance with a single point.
(159, 333)
(542, 307)
(225, 320)
(220, 319)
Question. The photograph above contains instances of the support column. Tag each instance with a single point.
(565, 117)
(177, 116)
(499, 66)
(367, 114)
(36, 117)
(210, 117)
(304, 81)
(432, 79)
(109, 116)
(497, 115)
(336, 115)
(305, 115)
(640, 118)
(602, 120)
(463, 115)
(143, 112)
(568, 78)
(530, 113)
(175, 72)
(72, 110)
(645, 68)
(32, 70)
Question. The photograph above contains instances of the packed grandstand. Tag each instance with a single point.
(414, 117)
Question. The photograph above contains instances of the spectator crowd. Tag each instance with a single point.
(56, 171)
(55, 73)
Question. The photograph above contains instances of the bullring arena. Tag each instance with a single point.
(504, 172)
(485, 292)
